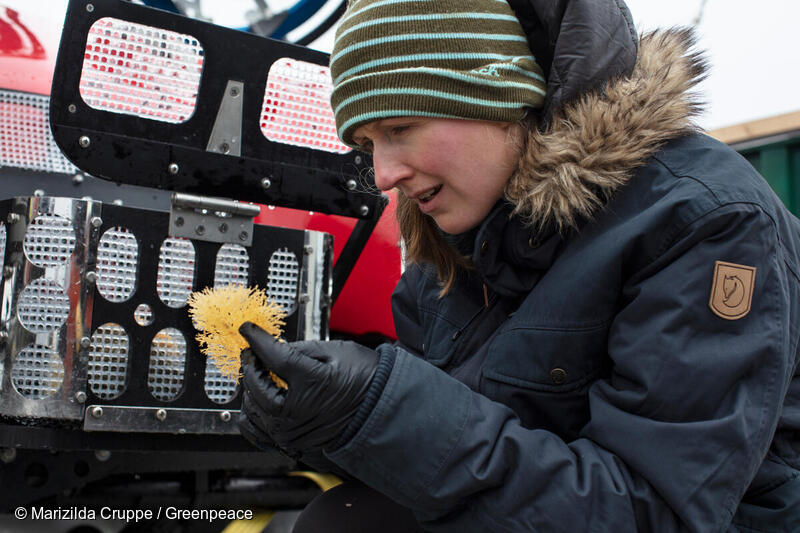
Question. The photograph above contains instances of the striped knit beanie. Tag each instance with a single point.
(466, 59)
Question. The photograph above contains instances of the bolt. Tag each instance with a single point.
(243, 236)
(84, 141)
(179, 221)
(304, 299)
(225, 148)
(97, 411)
(8, 455)
(102, 455)
(266, 183)
(118, 201)
(225, 416)
(161, 415)
(8, 272)
(13, 218)
(80, 397)
(96, 222)
(85, 342)
(72, 108)
(89, 7)
(234, 91)
(38, 193)
(364, 210)
(173, 168)
(308, 249)
(358, 160)
(77, 179)
(351, 185)
(91, 277)
(200, 230)
(223, 228)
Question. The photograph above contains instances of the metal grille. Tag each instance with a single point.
(37, 372)
(117, 257)
(167, 362)
(233, 265)
(219, 388)
(25, 137)
(43, 306)
(297, 108)
(140, 70)
(175, 271)
(108, 361)
(143, 315)
(284, 271)
(49, 241)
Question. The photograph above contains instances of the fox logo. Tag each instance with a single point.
(732, 290)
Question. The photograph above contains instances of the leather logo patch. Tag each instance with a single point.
(732, 291)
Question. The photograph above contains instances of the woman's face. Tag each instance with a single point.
(455, 170)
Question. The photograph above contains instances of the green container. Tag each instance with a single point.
(778, 160)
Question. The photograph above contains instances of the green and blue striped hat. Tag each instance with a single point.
(465, 59)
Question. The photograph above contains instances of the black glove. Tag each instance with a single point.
(327, 384)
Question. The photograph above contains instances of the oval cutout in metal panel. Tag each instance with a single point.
(219, 389)
(49, 241)
(117, 259)
(284, 273)
(233, 265)
(165, 376)
(37, 372)
(108, 361)
(175, 271)
(43, 306)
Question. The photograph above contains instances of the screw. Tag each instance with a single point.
(200, 230)
(173, 168)
(89, 7)
(223, 228)
(266, 183)
(80, 397)
(102, 455)
(161, 415)
(91, 277)
(308, 249)
(304, 299)
(77, 179)
(225, 148)
(38, 193)
(118, 201)
(97, 411)
(86, 342)
(243, 236)
(84, 141)
(364, 210)
(72, 108)
(8, 272)
(179, 221)
(13, 218)
(351, 185)
(8, 455)
(96, 222)
(225, 416)
(234, 91)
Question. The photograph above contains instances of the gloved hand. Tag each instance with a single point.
(327, 383)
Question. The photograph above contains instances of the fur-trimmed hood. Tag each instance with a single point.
(592, 147)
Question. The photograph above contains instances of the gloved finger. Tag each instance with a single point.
(257, 437)
(280, 357)
(261, 391)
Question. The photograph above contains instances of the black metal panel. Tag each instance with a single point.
(139, 151)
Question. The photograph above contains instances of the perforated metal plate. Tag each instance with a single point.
(284, 271)
(25, 137)
(167, 364)
(233, 265)
(108, 361)
(43, 306)
(37, 372)
(297, 107)
(219, 389)
(140, 70)
(175, 271)
(50, 241)
(117, 258)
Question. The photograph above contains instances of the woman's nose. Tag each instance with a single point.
(389, 168)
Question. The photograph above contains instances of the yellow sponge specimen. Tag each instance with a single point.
(217, 314)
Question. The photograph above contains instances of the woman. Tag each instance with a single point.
(598, 329)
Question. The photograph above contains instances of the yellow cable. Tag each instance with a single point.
(256, 525)
(323, 481)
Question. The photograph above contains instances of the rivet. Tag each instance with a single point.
(89, 7)
(179, 221)
(308, 249)
(225, 148)
(38, 193)
(173, 168)
(13, 218)
(304, 299)
(91, 277)
(358, 160)
(243, 236)
(97, 411)
(351, 185)
(72, 108)
(225, 416)
(223, 228)
(77, 179)
(558, 376)
(200, 230)
(96, 222)
(80, 397)
(364, 210)
(118, 201)
(161, 415)
(84, 141)
(266, 183)
(86, 342)
(234, 91)
(102, 455)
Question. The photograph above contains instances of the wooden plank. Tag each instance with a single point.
(758, 128)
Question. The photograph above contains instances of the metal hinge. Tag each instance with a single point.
(212, 219)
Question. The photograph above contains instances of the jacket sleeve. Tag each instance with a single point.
(677, 430)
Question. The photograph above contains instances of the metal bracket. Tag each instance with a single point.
(212, 219)
(160, 420)
(226, 137)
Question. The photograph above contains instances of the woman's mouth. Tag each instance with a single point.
(428, 196)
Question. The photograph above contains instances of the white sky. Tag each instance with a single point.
(753, 48)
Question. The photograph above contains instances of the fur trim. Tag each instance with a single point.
(594, 145)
